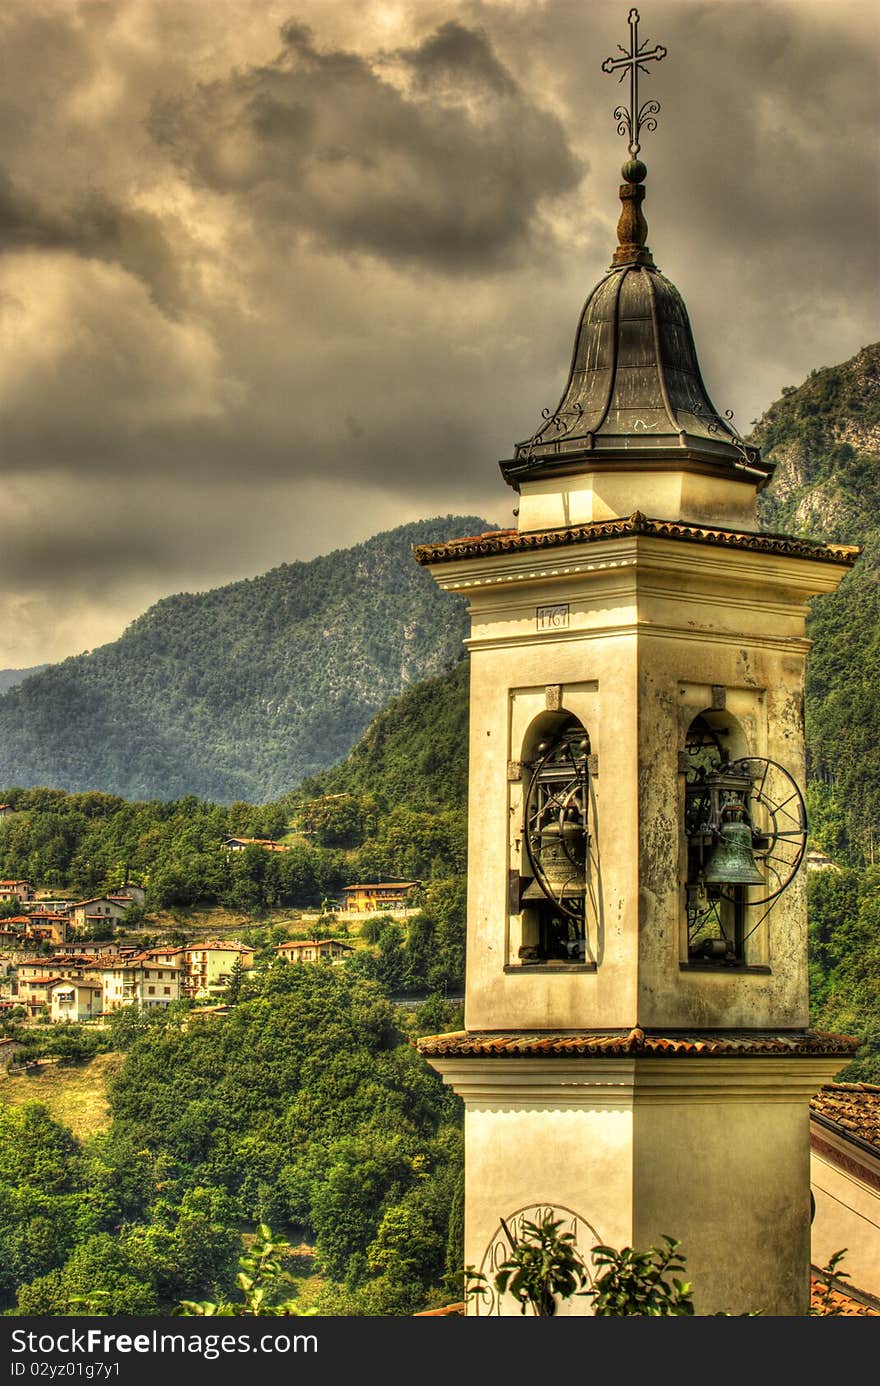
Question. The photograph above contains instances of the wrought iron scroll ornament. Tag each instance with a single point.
(554, 421)
(632, 119)
(714, 426)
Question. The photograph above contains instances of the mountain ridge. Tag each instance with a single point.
(308, 653)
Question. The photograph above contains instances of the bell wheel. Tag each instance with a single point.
(778, 817)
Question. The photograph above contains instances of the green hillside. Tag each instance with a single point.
(413, 754)
(10, 678)
(240, 692)
(825, 440)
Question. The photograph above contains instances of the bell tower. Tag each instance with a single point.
(637, 1053)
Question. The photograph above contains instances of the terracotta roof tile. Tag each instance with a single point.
(511, 541)
(855, 1107)
(837, 1301)
(517, 1044)
(314, 943)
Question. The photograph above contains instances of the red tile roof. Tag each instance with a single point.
(854, 1107)
(233, 946)
(92, 899)
(384, 885)
(516, 1044)
(828, 1299)
(511, 540)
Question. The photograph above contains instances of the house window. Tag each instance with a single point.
(167, 991)
(151, 991)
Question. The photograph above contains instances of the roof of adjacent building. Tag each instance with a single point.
(92, 899)
(642, 526)
(853, 1108)
(831, 1299)
(383, 885)
(636, 1042)
(232, 946)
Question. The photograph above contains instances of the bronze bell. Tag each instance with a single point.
(732, 862)
(560, 852)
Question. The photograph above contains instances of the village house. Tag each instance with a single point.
(385, 897)
(35, 977)
(314, 950)
(208, 966)
(6, 811)
(21, 891)
(99, 909)
(142, 980)
(46, 926)
(130, 894)
(15, 924)
(74, 999)
(93, 948)
(33, 994)
(817, 860)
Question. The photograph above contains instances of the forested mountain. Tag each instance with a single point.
(239, 692)
(413, 754)
(825, 440)
(10, 678)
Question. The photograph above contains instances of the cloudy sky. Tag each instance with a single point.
(276, 276)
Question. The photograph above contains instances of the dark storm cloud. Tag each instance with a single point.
(449, 169)
(95, 227)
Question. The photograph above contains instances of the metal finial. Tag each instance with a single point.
(630, 120)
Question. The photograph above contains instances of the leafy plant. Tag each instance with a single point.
(640, 1282)
(824, 1303)
(543, 1264)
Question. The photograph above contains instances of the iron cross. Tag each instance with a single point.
(630, 122)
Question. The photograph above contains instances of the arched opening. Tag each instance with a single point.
(556, 833)
(721, 866)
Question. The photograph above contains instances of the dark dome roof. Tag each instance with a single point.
(634, 392)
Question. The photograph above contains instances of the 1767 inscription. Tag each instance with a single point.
(552, 617)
